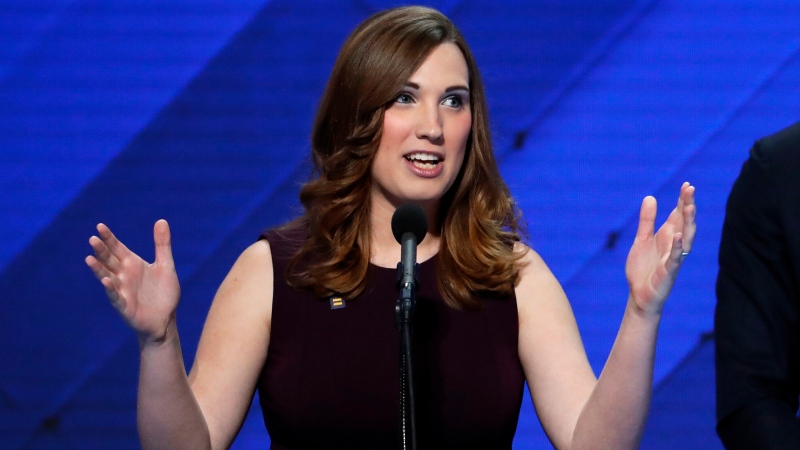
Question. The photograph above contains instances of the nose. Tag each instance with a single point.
(429, 125)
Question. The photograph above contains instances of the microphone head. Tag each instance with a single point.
(409, 217)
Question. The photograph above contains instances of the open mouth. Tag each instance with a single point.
(424, 161)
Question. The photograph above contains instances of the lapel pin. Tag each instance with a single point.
(337, 302)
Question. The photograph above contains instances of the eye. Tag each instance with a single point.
(454, 101)
(404, 98)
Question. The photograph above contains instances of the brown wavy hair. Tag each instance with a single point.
(478, 218)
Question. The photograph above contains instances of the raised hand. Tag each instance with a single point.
(146, 295)
(654, 259)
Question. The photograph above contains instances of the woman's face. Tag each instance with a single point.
(425, 133)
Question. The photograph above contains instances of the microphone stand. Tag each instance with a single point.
(404, 313)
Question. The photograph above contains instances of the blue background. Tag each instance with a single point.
(199, 112)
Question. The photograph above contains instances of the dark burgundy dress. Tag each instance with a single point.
(331, 376)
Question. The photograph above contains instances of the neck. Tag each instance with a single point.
(384, 248)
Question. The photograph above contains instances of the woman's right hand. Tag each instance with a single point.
(146, 295)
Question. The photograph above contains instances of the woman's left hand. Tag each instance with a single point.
(654, 259)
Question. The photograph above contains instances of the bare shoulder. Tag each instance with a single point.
(255, 258)
(255, 261)
(242, 308)
(249, 282)
(536, 281)
(540, 297)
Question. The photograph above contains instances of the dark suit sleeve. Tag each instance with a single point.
(756, 320)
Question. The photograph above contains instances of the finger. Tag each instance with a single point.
(647, 218)
(103, 255)
(676, 216)
(689, 227)
(682, 196)
(688, 213)
(163, 241)
(687, 194)
(117, 300)
(97, 267)
(676, 254)
(116, 247)
(107, 280)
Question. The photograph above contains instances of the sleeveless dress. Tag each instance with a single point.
(331, 379)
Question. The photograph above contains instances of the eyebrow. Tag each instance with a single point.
(459, 87)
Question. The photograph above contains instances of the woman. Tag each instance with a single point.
(403, 119)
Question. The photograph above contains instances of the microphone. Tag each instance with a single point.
(409, 226)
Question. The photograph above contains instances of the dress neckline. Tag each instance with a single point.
(423, 263)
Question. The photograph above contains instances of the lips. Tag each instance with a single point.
(425, 164)
(424, 160)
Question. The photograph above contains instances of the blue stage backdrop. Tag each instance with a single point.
(199, 112)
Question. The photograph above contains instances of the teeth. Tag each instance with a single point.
(423, 157)
(425, 165)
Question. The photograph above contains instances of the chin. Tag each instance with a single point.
(425, 195)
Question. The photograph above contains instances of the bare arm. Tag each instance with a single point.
(234, 343)
(206, 409)
(167, 411)
(577, 410)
